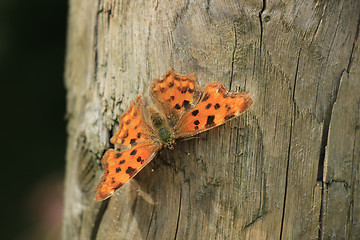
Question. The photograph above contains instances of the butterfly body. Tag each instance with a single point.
(166, 137)
(182, 110)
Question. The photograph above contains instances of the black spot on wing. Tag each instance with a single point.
(132, 141)
(172, 97)
(133, 152)
(122, 161)
(176, 77)
(184, 90)
(140, 160)
(177, 106)
(210, 121)
(208, 106)
(118, 155)
(196, 122)
(118, 169)
(217, 106)
(195, 112)
(131, 171)
(138, 135)
(185, 103)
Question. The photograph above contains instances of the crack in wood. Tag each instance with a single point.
(318, 25)
(151, 218)
(98, 219)
(346, 185)
(353, 47)
(289, 148)
(207, 10)
(179, 15)
(257, 218)
(320, 235)
(324, 141)
(325, 133)
(178, 217)
(110, 135)
(96, 29)
(335, 33)
(233, 58)
(261, 24)
(324, 188)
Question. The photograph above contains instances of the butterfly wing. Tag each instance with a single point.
(133, 128)
(216, 106)
(175, 94)
(120, 167)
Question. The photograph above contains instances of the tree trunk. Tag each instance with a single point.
(288, 168)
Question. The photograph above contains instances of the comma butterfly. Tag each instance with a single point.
(182, 110)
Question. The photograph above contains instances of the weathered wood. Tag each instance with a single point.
(288, 168)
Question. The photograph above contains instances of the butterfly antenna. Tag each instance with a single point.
(192, 137)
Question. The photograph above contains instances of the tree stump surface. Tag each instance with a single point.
(288, 168)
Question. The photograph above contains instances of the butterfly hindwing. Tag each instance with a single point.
(174, 94)
(216, 106)
(120, 167)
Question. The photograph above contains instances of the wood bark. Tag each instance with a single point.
(286, 169)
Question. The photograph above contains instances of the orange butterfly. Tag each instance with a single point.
(183, 110)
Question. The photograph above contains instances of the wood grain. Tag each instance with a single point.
(288, 168)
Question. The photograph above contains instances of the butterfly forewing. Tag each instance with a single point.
(214, 108)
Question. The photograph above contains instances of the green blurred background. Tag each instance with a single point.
(32, 51)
